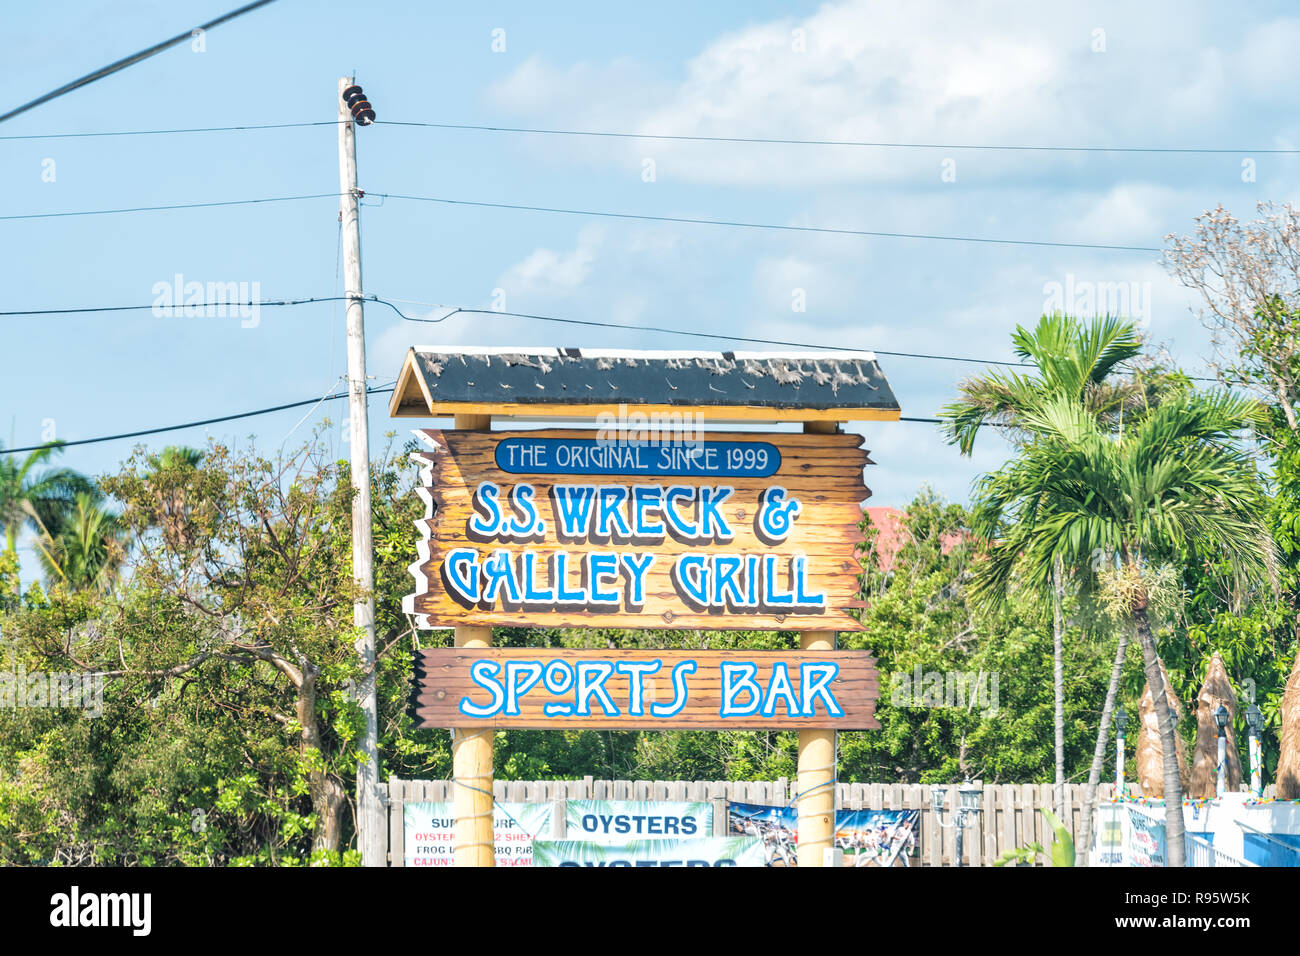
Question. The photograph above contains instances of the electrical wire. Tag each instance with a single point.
(454, 310)
(822, 230)
(870, 144)
(639, 217)
(709, 335)
(134, 58)
(592, 323)
(183, 205)
(168, 132)
(377, 390)
(677, 137)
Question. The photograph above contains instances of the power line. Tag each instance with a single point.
(187, 205)
(522, 315)
(749, 340)
(872, 144)
(270, 303)
(675, 137)
(134, 58)
(378, 390)
(140, 308)
(825, 230)
(590, 323)
(166, 132)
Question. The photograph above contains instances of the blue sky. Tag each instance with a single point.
(1165, 75)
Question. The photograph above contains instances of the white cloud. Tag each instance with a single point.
(546, 270)
(927, 71)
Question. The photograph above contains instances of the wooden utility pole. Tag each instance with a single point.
(370, 815)
(816, 787)
(471, 749)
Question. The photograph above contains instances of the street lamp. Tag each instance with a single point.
(1221, 717)
(1121, 725)
(1255, 722)
(969, 798)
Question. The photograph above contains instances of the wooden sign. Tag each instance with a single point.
(626, 689)
(566, 529)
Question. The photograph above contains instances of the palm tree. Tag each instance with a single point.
(1071, 358)
(1173, 484)
(1073, 361)
(86, 548)
(31, 499)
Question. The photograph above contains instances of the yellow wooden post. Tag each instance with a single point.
(471, 750)
(816, 787)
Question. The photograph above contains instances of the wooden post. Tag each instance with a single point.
(816, 793)
(472, 750)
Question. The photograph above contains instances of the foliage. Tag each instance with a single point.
(1061, 854)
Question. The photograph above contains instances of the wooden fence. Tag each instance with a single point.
(1010, 816)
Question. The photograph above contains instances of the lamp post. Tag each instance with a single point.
(969, 797)
(1221, 719)
(1121, 724)
(1255, 722)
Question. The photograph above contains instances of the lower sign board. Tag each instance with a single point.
(627, 689)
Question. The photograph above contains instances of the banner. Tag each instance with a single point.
(883, 838)
(1147, 845)
(569, 529)
(620, 821)
(703, 851)
(430, 832)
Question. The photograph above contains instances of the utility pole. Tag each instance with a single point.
(370, 814)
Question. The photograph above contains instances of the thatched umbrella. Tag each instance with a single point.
(1216, 690)
(1150, 771)
(1288, 765)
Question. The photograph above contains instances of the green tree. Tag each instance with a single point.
(1175, 483)
(1074, 361)
(85, 547)
(30, 497)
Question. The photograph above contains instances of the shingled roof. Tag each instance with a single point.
(570, 382)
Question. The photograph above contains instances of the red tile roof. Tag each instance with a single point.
(892, 534)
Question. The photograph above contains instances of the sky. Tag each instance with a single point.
(953, 74)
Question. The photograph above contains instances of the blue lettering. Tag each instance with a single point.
(461, 571)
(637, 565)
(690, 574)
(780, 686)
(646, 498)
(573, 504)
(713, 523)
(814, 682)
(591, 683)
(610, 513)
(483, 674)
(602, 565)
(680, 670)
(487, 495)
(530, 672)
(636, 672)
(736, 678)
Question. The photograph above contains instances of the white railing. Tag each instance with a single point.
(1201, 852)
